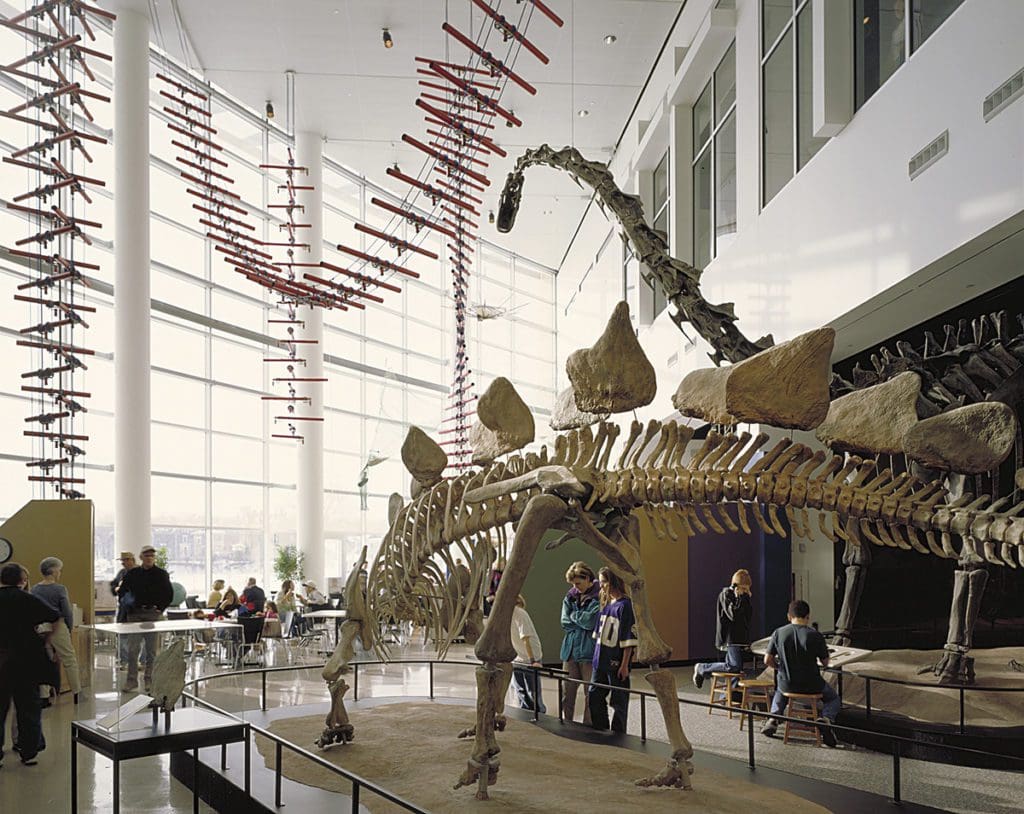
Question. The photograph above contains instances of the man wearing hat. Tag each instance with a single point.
(127, 564)
(313, 596)
(145, 592)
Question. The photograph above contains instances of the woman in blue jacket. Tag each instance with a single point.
(580, 609)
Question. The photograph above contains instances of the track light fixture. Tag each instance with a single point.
(508, 122)
(270, 109)
(490, 216)
(388, 42)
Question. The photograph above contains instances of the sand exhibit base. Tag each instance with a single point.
(410, 749)
(938, 704)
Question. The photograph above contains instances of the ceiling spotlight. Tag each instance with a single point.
(490, 216)
(610, 39)
(388, 42)
(270, 109)
(583, 113)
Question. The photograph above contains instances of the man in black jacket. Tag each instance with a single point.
(253, 599)
(145, 591)
(732, 629)
(23, 659)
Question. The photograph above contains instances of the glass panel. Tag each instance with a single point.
(238, 411)
(879, 31)
(774, 16)
(702, 210)
(186, 556)
(725, 83)
(178, 400)
(237, 554)
(178, 450)
(661, 183)
(778, 118)
(725, 185)
(807, 144)
(238, 457)
(928, 16)
(179, 501)
(237, 505)
(702, 120)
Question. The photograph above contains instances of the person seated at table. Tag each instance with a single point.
(269, 610)
(252, 600)
(314, 600)
(229, 604)
(287, 605)
(215, 597)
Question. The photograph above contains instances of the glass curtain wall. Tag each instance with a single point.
(223, 490)
(882, 29)
(714, 163)
(788, 140)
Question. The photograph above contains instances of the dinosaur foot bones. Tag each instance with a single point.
(673, 775)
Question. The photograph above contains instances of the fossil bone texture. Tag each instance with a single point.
(679, 281)
(591, 488)
(567, 416)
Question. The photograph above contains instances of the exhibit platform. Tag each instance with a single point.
(883, 692)
(416, 755)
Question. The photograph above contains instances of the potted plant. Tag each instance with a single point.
(289, 563)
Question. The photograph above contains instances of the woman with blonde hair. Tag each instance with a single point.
(732, 628)
(56, 596)
(286, 606)
(215, 597)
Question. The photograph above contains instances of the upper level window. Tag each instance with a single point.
(882, 29)
(788, 140)
(653, 300)
(714, 163)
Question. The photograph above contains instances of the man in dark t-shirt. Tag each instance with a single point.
(794, 651)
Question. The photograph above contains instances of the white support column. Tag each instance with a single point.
(310, 485)
(132, 511)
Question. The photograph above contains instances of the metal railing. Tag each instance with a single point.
(961, 689)
(897, 743)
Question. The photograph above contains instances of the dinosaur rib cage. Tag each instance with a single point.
(854, 500)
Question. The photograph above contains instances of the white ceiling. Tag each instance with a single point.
(361, 96)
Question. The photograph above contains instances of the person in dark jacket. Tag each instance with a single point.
(732, 629)
(23, 659)
(580, 608)
(253, 599)
(127, 564)
(146, 591)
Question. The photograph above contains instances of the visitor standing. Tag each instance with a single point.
(147, 590)
(735, 612)
(616, 642)
(50, 591)
(580, 608)
(23, 659)
(526, 642)
(127, 564)
(492, 585)
(286, 606)
(795, 650)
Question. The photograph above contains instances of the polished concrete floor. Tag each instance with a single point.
(146, 786)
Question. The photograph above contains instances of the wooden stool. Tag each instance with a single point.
(804, 706)
(721, 690)
(755, 691)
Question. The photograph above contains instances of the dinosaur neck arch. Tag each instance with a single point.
(679, 281)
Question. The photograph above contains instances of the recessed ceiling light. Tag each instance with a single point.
(583, 113)
(610, 39)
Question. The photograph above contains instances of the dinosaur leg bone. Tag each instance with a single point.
(678, 770)
(494, 647)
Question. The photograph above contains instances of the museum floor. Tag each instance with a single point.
(147, 787)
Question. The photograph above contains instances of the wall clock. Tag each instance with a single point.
(6, 550)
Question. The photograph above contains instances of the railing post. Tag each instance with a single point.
(431, 665)
(643, 717)
(355, 681)
(355, 797)
(263, 691)
(750, 739)
(896, 772)
(536, 693)
(867, 696)
(961, 710)
(839, 684)
(277, 775)
(561, 697)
